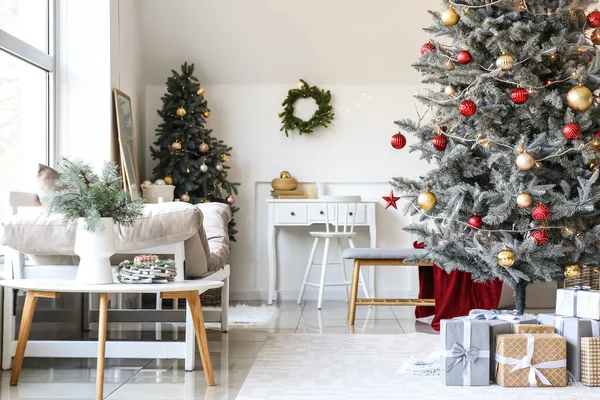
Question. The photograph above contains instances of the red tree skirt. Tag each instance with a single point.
(455, 294)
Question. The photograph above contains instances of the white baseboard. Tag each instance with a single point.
(312, 294)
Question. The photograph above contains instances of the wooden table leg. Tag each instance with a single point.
(193, 299)
(26, 318)
(353, 292)
(102, 317)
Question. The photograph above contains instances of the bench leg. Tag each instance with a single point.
(353, 292)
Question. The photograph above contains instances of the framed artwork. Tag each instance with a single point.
(126, 136)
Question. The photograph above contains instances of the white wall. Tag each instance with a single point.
(94, 55)
(128, 68)
(352, 156)
(84, 107)
(248, 55)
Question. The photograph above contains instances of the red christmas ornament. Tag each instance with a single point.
(593, 19)
(427, 47)
(540, 213)
(439, 142)
(391, 200)
(541, 236)
(597, 134)
(475, 221)
(467, 108)
(463, 57)
(398, 141)
(572, 131)
(519, 96)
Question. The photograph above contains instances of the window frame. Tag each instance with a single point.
(45, 61)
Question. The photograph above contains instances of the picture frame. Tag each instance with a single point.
(126, 138)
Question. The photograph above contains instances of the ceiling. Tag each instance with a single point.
(279, 41)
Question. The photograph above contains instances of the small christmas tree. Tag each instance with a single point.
(189, 157)
(514, 132)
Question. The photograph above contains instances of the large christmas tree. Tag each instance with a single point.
(511, 122)
(189, 157)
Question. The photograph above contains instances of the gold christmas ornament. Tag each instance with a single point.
(168, 180)
(230, 199)
(176, 145)
(450, 17)
(572, 271)
(206, 201)
(524, 200)
(201, 92)
(285, 175)
(185, 198)
(181, 112)
(450, 90)
(595, 38)
(187, 170)
(219, 167)
(525, 161)
(506, 258)
(206, 113)
(224, 158)
(203, 147)
(427, 200)
(505, 62)
(579, 98)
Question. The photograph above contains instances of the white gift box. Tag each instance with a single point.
(578, 302)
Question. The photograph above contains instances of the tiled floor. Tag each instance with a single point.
(232, 355)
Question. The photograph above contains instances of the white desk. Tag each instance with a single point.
(304, 212)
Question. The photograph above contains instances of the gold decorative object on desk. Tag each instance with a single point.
(285, 187)
(284, 182)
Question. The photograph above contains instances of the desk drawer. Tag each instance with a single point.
(316, 213)
(291, 214)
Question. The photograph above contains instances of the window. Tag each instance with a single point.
(26, 93)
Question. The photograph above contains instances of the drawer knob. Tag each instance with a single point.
(321, 212)
(292, 213)
(350, 213)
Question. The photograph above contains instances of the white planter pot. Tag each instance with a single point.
(94, 250)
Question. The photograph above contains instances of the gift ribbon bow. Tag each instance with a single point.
(525, 362)
(466, 354)
(488, 315)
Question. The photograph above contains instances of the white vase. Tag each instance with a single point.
(94, 250)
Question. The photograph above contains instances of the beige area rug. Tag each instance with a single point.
(297, 366)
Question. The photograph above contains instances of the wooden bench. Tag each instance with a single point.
(381, 258)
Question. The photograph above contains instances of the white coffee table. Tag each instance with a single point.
(51, 288)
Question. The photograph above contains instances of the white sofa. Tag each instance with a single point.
(196, 236)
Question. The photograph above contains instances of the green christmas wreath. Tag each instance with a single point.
(322, 117)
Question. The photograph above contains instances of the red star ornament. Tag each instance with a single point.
(391, 200)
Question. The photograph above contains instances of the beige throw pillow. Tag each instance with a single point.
(46, 179)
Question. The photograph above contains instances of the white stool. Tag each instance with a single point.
(340, 211)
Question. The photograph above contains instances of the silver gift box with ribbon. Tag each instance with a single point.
(465, 352)
(500, 322)
(578, 301)
(572, 329)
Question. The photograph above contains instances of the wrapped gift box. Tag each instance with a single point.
(500, 323)
(465, 352)
(590, 361)
(518, 355)
(533, 328)
(572, 329)
(578, 302)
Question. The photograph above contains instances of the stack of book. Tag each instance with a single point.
(288, 194)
